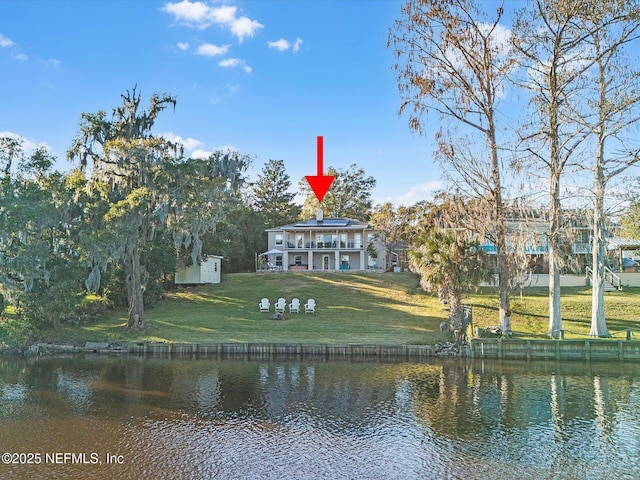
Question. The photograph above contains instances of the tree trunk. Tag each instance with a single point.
(598, 323)
(555, 316)
(133, 280)
(504, 273)
(455, 312)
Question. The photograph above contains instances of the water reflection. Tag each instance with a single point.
(236, 419)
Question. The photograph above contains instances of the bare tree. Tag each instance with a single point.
(549, 37)
(560, 41)
(613, 111)
(452, 61)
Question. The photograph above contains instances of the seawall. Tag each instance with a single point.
(594, 349)
(253, 351)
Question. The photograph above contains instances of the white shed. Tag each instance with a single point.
(207, 272)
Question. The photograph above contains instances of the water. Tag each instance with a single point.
(112, 418)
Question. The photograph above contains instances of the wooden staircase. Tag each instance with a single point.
(612, 282)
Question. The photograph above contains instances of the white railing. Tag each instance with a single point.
(609, 278)
(612, 278)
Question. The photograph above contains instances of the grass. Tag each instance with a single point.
(531, 311)
(351, 308)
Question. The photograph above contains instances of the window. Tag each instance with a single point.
(299, 240)
(279, 239)
(297, 260)
(358, 240)
(279, 261)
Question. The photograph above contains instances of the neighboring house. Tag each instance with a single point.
(323, 244)
(530, 236)
(208, 271)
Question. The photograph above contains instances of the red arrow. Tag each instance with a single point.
(320, 183)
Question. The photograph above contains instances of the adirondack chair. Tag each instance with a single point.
(264, 305)
(310, 306)
(294, 306)
(280, 305)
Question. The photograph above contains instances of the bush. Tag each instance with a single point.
(16, 331)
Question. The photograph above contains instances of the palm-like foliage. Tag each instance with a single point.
(450, 265)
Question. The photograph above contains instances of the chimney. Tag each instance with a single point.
(319, 214)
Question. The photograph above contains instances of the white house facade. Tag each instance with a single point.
(322, 244)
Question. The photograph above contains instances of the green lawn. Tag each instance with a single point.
(362, 308)
(531, 311)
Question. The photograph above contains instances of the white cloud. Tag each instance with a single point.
(192, 148)
(283, 45)
(28, 146)
(21, 56)
(200, 15)
(199, 153)
(211, 50)
(183, 46)
(5, 42)
(225, 14)
(296, 45)
(227, 148)
(193, 14)
(235, 62)
(417, 193)
(245, 27)
(189, 144)
(230, 62)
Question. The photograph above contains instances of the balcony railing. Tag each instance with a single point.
(321, 246)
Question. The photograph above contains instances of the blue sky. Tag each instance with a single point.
(263, 77)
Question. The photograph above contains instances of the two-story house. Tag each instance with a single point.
(323, 244)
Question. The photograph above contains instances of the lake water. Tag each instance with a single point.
(115, 418)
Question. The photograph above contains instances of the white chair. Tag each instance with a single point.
(310, 306)
(280, 305)
(264, 305)
(294, 306)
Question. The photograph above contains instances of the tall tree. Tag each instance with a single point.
(389, 223)
(549, 37)
(348, 197)
(39, 256)
(560, 43)
(612, 113)
(125, 159)
(453, 61)
(271, 195)
(143, 186)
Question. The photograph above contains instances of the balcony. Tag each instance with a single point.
(349, 245)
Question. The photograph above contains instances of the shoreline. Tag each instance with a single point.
(478, 348)
(246, 350)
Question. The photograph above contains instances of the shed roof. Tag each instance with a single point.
(624, 244)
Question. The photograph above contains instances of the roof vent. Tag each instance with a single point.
(319, 214)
